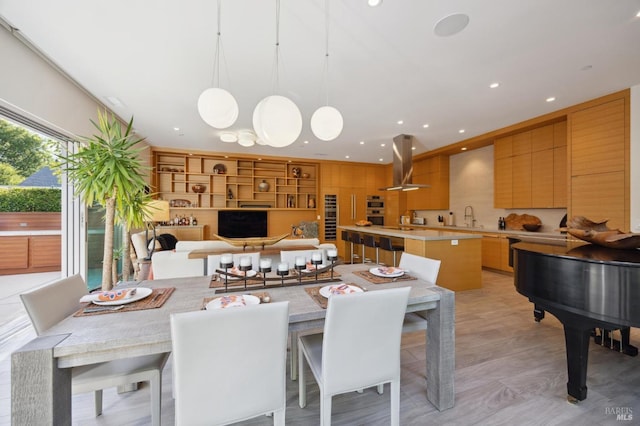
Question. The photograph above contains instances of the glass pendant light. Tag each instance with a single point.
(217, 107)
(326, 121)
(277, 120)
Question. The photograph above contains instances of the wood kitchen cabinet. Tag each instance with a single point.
(599, 162)
(495, 252)
(432, 171)
(530, 168)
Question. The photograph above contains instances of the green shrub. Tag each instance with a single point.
(30, 200)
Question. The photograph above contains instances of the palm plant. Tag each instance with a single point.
(107, 169)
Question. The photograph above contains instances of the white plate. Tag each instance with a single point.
(387, 271)
(141, 293)
(240, 300)
(326, 291)
(250, 273)
(312, 268)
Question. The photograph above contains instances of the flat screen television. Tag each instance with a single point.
(242, 223)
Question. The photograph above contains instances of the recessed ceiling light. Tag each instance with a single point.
(114, 101)
(346, 156)
(374, 3)
(461, 131)
(464, 148)
(638, 14)
(306, 142)
(400, 122)
(413, 148)
(381, 159)
(229, 137)
(424, 126)
(382, 145)
(176, 128)
(361, 142)
(451, 25)
(494, 85)
(551, 99)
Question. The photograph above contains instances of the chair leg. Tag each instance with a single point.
(278, 417)
(302, 385)
(377, 256)
(363, 257)
(380, 388)
(325, 410)
(395, 402)
(294, 355)
(155, 386)
(97, 397)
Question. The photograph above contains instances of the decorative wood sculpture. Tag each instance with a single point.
(517, 221)
(252, 241)
(598, 233)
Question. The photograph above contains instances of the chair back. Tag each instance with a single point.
(369, 240)
(422, 267)
(175, 264)
(229, 364)
(51, 303)
(385, 243)
(213, 261)
(361, 345)
(355, 237)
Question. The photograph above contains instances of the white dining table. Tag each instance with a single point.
(41, 378)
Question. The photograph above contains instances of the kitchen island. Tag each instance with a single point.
(460, 253)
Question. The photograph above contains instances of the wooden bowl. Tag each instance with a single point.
(531, 227)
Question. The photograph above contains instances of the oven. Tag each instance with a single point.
(375, 202)
(375, 209)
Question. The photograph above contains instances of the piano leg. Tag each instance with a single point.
(577, 346)
(538, 313)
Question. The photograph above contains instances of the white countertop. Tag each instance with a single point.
(507, 232)
(27, 233)
(411, 232)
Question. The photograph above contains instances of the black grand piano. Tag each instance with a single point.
(586, 287)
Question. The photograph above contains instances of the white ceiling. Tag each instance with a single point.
(386, 63)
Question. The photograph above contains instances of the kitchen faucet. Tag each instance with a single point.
(469, 219)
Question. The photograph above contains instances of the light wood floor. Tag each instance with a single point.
(510, 370)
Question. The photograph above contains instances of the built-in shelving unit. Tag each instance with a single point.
(203, 181)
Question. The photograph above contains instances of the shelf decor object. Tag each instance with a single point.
(263, 186)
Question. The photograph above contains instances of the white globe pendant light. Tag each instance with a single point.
(277, 121)
(326, 123)
(218, 108)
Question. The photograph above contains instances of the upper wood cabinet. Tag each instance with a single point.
(599, 163)
(530, 168)
(432, 171)
(208, 181)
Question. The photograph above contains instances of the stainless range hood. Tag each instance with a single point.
(403, 165)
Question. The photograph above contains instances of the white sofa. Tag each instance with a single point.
(173, 264)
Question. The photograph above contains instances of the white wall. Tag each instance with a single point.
(635, 160)
(471, 184)
(33, 88)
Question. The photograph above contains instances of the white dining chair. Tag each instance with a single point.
(360, 348)
(175, 264)
(230, 364)
(51, 303)
(426, 269)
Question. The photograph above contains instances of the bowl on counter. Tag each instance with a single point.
(531, 227)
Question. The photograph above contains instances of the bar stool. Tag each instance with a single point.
(356, 238)
(386, 244)
(345, 237)
(370, 241)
